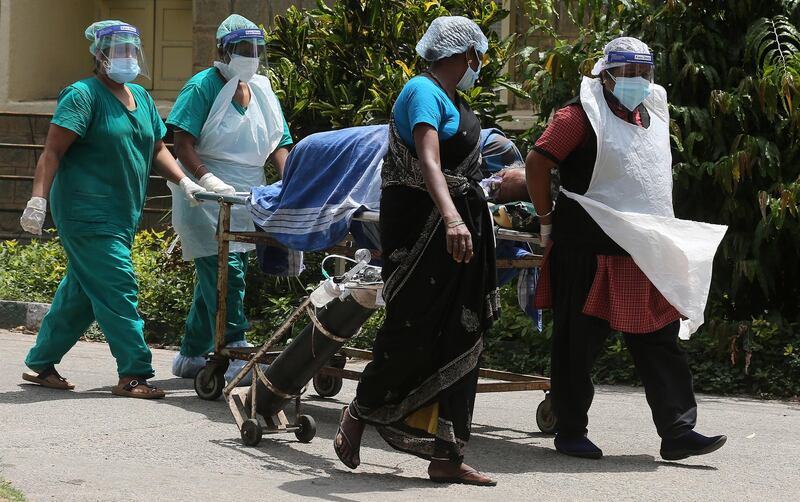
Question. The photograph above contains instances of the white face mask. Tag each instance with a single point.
(240, 67)
(469, 77)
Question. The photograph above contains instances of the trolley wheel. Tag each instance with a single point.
(209, 382)
(326, 385)
(545, 416)
(251, 432)
(307, 428)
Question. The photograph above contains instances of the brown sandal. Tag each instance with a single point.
(353, 460)
(126, 390)
(469, 476)
(41, 379)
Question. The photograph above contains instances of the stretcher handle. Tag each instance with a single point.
(231, 199)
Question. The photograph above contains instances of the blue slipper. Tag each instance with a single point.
(577, 446)
(689, 445)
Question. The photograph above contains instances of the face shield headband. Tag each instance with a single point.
(617, 58)
(253, 35)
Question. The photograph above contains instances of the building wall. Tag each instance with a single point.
(42, 47)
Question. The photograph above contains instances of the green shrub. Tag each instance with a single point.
(166, 285)
(31, 272)
(344, 65)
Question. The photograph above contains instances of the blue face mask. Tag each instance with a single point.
(122, 70)
(631, 91)
(470, 76)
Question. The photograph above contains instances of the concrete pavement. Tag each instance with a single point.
(88, 445)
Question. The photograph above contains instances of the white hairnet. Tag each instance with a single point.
(621, 44)
(448, 35)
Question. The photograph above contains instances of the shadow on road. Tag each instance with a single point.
(32, 393)
(493, 448)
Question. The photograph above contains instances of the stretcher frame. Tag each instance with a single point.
(209, 383)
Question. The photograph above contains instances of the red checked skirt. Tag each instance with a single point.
(620, 294)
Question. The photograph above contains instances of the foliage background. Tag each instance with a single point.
(731, 69)
(344, 65)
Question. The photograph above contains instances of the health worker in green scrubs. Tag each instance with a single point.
(228, 123)
(103, 139)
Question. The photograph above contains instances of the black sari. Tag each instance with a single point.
(419, 390)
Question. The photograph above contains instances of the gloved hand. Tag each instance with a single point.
(544, 233)
(33, 217)
(216, 185)
(190, 188)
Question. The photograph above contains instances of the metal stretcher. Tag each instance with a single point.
(259, 408)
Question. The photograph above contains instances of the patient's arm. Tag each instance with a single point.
(278, 159)
(537, 170)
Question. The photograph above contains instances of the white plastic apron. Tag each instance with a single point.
(234, 147)
(630, 198)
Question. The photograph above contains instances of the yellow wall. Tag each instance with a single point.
(42, 47)
(46, 49)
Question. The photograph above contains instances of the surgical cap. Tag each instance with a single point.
(104, 43)
(448, 35)
(235, 22)
(621, 44)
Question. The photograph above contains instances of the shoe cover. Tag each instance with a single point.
(235, 365)
(187, 366)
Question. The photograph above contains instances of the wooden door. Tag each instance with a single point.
(167, 37)
(172, 63)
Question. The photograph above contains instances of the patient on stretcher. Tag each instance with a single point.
(331, 177)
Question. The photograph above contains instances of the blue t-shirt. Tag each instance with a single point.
(194, 103)
(423, 102)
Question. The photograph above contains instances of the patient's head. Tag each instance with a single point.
(512, 186)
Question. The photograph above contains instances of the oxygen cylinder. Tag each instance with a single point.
(311, 349)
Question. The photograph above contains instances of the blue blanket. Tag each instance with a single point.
(328, 178)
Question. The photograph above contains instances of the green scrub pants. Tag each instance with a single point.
(198, 339)
(100, 284)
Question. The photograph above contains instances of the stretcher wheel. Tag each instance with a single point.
(326, 385)
(307, 428)
(546, 417)
(251, 432)
(209, 382)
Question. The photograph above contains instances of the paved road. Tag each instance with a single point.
(89, 445)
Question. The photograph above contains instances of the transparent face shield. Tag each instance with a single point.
(632, 80)
(247, 43)
(631, 64)
(120, 52)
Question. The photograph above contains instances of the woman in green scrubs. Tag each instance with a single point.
(228, 122)
(104, 137)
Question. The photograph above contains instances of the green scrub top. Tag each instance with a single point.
(101, 182)
(196, 99)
